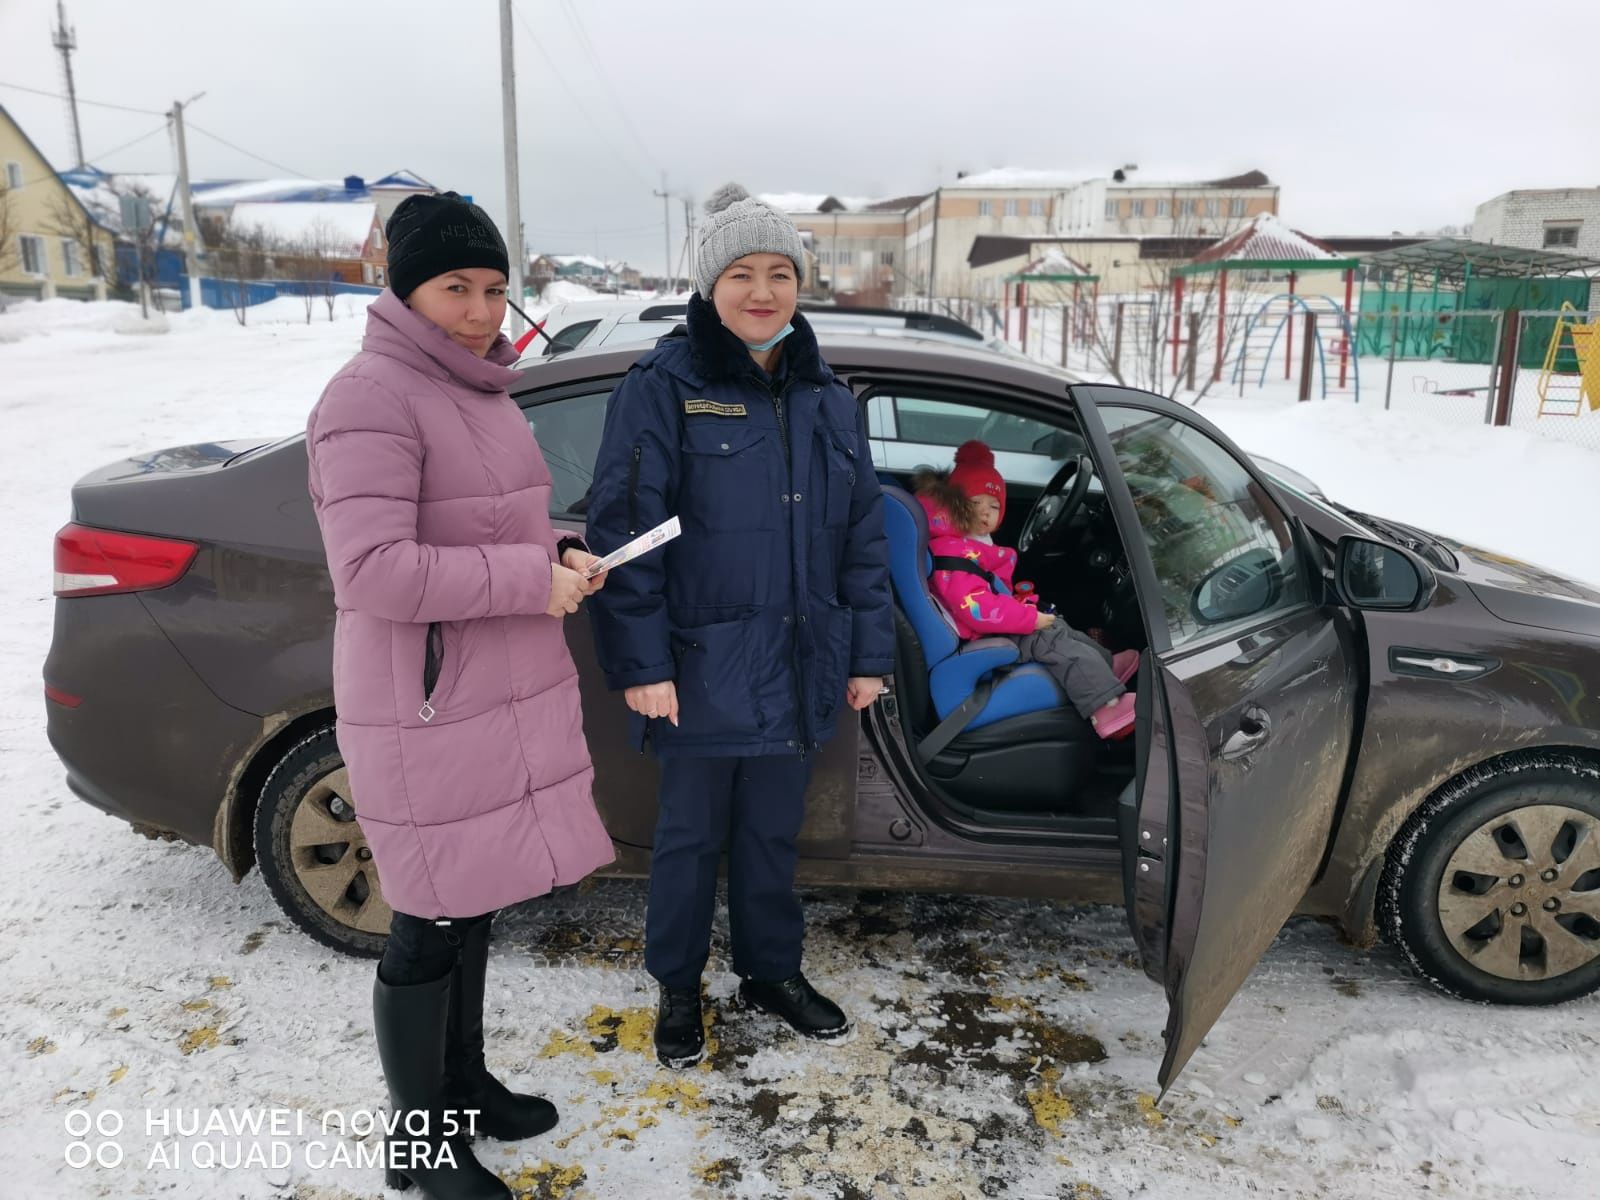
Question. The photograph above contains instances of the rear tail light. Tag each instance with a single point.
(99, 562)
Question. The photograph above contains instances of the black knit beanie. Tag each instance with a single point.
(429, 235)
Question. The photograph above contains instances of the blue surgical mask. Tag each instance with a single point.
(772, 341)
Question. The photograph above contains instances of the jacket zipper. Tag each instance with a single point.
(801, 716)
(633, 492)
(432, 668)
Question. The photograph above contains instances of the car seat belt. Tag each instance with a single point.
(951, 562)
(960, 717)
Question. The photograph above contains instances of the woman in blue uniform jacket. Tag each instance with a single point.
(738, 644)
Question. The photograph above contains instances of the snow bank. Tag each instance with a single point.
(1502, 489)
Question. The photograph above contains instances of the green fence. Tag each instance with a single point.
(1462, 325)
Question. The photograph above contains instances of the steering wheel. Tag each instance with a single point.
(1062, 497)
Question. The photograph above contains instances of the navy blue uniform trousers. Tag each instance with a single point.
(754, 807)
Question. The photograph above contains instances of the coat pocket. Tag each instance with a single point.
(716, 694)
(730, 478)
(841, 455)
(834, 623)
(441, 664)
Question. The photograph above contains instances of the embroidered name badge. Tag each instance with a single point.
(712, 407)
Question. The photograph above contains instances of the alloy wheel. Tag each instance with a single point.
(331, 857)
(1520, 896)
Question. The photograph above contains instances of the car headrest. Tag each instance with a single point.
(910, 564)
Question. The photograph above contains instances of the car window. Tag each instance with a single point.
(569, 338)
(1224, 552)
(631, 333)
(569, 431)
(908, 430)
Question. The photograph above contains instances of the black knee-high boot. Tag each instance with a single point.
(502, 1113)
(410, 1023)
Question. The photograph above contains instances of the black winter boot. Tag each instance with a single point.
(502, 1113)
(680, 1031)
(410, 1023)
(800, 1004)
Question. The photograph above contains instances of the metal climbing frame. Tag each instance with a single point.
(1298, 304)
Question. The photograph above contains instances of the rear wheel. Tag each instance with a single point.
(313, 854)
(1492, 889)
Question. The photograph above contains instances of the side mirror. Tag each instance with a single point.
(1054, 444)
(1376, 575)
(1239, 588)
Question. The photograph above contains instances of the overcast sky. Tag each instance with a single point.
(1372, 117)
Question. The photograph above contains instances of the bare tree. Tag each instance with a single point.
(239, 257)
(10, 256)
(1141, 356)
(146, 242)
(66, 217)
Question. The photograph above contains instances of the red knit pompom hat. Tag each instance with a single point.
(975, 475)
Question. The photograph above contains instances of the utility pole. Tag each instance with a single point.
(65, 39)
(190, 254)
(508, 106)
(666, 236)
(688, 238)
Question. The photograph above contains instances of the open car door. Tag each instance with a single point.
(1246, 704)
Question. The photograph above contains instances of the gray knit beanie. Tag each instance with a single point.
(740, 224)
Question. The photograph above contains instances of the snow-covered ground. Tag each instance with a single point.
(1006, 1048)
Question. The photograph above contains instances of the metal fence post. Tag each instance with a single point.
(1510, 339)
(1394, 345)
(1066, 334)
(1116, 342)
(1306, 349)
(1194, 345)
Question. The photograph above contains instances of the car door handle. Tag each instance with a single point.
(1255, 727)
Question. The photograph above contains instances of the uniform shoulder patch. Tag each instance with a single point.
(713, 408)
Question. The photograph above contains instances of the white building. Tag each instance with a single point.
(1542, 219)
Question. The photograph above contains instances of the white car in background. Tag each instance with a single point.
(589, 324)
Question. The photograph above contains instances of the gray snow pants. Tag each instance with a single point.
(1081, 665)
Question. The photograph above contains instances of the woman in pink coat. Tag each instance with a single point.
(458, 712)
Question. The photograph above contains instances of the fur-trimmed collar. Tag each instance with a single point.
(718, 353)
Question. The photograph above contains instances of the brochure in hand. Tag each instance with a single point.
(643, 544)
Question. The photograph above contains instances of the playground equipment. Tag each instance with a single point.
(1580, 342)
(1276, 317)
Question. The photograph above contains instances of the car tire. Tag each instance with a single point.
(312, 853)
(1471, 831)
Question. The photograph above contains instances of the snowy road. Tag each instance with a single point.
(1005, 1048)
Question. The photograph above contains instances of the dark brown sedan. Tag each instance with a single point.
(1338, 715)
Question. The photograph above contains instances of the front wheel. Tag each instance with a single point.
(314, 856)
(1492, 888)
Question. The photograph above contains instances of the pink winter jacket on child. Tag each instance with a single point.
(977, 609)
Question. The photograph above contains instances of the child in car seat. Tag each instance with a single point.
(972, 578)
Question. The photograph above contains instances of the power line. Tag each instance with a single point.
(573, 96)
(128, 145)
(570, 12)
(27, 183)
(248, 154)
(148, 112)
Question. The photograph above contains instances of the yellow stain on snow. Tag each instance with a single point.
(545, 1180)
(715, 1172)
(677, 1091)
(220, 981)
(117, 1012)
(602, 1077)
(1233, 1122)
(634, 1028)
(1206, 1139)
(41, 1045)
(565, 1043)
(204, 1038)
(1063, 1160)
(1153, 1116)
(118, 1074)
(196, 1005)
(1050, 1107)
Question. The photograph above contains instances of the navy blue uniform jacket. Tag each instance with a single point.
(777, 592)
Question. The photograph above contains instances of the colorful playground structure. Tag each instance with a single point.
(1579, 342)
